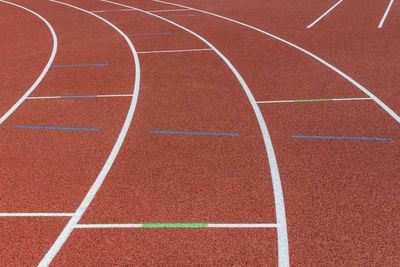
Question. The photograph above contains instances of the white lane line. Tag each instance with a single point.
(209, 225)
(386, 13)
(341, 73)
(122, 225)
(283, 245)
(35, 214)
(69, 97)
(323, 15)
(168, 10)
(174, 51)
(312, 100)
(111, 158)
(243, 225)
(112, 10)
(46, 68)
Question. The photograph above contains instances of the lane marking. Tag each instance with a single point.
(77, 96)
(185, 15)
(57, 128)
(80, 65)
(173, 132)
(112, 10)
(180, 225)
(323, 15)
(341, 73)
(168, 10)
(175, 51)
(55, 248)
(145, 34)
(313, 100)
(386, 13)
(41, 76)
(342, 137)
(35, 214)
(283, 244)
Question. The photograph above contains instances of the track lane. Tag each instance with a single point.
(46, 260)
(335, 240)
(42, 74)
(340, 57)
(47, 171)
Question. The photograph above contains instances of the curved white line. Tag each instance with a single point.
(283, 245)
(111, 158)
(41, 76)
(341, 73)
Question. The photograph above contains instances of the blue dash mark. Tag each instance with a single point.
(172, 132)
(80, 65)
(143, 34)
(340, 137)
(58, 128)
(77, 96)
(185, 15)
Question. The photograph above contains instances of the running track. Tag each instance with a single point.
(199, 133)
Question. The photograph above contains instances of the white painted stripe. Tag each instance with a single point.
(242, 225)
(66, 97)
(210, 225)
(386, 13)
(323, 15)
(174, 51)
(111, 158)
(283, 245)
(292, 101)
(124, 225)
(46, 68)
(35, 214)
(117, 10)
(341, 73)
(153, 11)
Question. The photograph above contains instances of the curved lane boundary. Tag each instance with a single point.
(111, 158)
(283, 244)
(341, 73)
(44, 72)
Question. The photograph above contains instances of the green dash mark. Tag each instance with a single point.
(177, 225)
(312, 100)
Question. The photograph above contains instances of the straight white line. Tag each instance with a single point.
(210, 225)
(124, 225)
(323, 15)
(283, 244)
(312, 100)
(46, 68)
(243, 225)
(175, 51)
(386, 13)
(153, 11)
(341, 73)
(111, 158)
(36, 214)
(67, 97)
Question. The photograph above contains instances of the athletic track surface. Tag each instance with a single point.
(199, 132)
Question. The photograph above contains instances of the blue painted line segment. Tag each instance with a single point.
(185, 15)
(342, 137)
(143, 34)
(173, 132)
(80, 65)
(57, 128)
(77, 96)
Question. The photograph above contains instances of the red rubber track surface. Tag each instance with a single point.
(341, 196)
